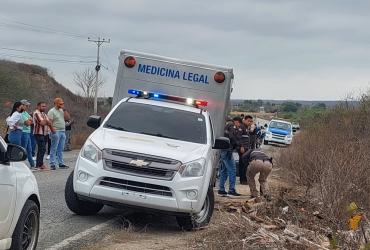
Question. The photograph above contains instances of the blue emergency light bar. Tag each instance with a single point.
(146, 94)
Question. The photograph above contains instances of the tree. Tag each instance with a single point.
(320, 105)
(290, 106)
(85, 81)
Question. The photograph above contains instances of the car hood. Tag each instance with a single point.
(279, 131)
(151, 145)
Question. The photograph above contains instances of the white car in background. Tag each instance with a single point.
(20, 200)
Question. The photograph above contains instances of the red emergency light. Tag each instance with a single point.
(219, 77)
(201, 103)
(130, 62)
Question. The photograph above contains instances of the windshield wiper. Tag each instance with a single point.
(158, 135)
(115, 127)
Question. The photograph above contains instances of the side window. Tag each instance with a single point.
(212, 132)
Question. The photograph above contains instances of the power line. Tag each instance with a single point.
(47, 59)
(38, 28)
(108, 62)
(46, 53)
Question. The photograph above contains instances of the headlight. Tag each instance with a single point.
(91, 152)
(268, 133)
(193, 169)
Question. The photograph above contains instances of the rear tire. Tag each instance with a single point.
(26, 233)
(201, 219)
(76, 205)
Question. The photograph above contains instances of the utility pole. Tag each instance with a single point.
(98, 42)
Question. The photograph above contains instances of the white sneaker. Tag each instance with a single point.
(34, 158)
(48, 157)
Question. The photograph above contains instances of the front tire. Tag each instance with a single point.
(201, 219)
(76, 205)
(265, 142)
(26, 233)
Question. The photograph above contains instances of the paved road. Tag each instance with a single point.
(57, 221)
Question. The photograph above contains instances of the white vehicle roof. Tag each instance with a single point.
(166, 104)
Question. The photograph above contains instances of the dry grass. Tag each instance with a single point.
(331, 159)
(263, 225)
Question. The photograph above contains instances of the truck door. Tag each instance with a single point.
(215, 156)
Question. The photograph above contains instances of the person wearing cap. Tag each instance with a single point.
(26, 132)
(58, 136)
(227, 166)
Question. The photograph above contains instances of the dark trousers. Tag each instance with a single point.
(48, 142)
(41, 149)
(242, 169)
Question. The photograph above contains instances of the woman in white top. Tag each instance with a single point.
(15, 123)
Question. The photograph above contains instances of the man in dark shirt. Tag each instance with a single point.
(250, 130)
(69, 122)
(227, 167)
(260, 163)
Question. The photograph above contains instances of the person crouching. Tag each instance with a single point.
(260, 163)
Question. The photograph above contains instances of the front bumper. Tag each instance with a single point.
(89, 177)
(286, 141)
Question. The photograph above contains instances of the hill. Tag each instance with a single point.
(329, 104)
(23, 81)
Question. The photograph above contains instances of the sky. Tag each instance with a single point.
(279, 49)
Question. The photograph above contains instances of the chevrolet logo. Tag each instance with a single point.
(139, 163)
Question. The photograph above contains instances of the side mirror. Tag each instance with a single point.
(16, 153)
(94, 121)
(222, 143)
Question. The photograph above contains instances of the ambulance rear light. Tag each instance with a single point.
(130, 62)
(219, 77)
(189, 101)
(201, 103)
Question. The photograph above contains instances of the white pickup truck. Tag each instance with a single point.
(158, 148)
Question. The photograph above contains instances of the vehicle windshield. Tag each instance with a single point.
(159, 121)
(280, 125)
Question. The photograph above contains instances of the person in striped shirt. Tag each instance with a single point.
(41, 130)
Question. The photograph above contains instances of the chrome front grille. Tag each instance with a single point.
(142, 171)
(278, 136)
(136, 186)
(140, 165)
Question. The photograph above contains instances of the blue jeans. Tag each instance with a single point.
(15, 137)
(26, 143)
(227, 169)
(33, 144)
(56, 149)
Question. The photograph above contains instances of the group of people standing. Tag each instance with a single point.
(44, 128)
(242, 132)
